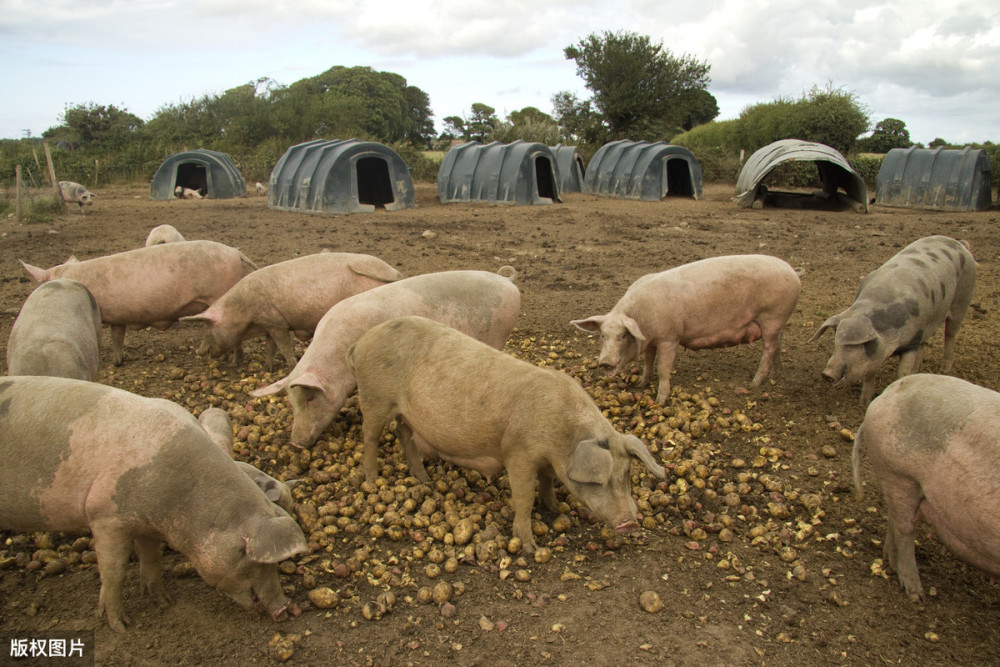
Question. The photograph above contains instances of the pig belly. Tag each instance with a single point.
(484, 464)
(973, 541)
(740, 336)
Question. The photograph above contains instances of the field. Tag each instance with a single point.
(755, 544)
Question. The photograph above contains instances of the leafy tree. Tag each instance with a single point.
(108, 125)
(528, 124)
(482, 123)
(640, 89)
(455, 128)
(577, 120)
(888, 134)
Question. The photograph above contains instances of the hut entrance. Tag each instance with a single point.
(544, 170)
(678, 175)
(193, 176)
(374, 184)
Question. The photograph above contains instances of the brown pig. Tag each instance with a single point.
(134, 471)
(153, 286)
(468, 403)
(293, 295)
(715, 302)
(219, 427)
(932, 442)
(482, 304)
(57, 333)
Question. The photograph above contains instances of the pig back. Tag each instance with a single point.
(159, 283)
(57, 333)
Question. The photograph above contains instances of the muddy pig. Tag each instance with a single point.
(479, 303)
(153, 286)
(293, 295)
(932, 441)
(57, 333)
(163, 234)
(715, 302)
(219, 427)
(74, 193)
(135, 471)
(463, 401)
(897, 308)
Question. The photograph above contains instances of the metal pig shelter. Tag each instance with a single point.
(211, 173)
(516, 173)
(643, 170)
(935, 179)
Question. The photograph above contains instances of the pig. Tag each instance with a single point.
(74, 193)
(187, 193)
(714, 302)
(931, 440)
(261, 190)
(898, 307)
(219, 427)
(153, 286)
(479, 303)
(136, 471)
(163, 234)
(461, 400)
(293, 295)
(57, 333)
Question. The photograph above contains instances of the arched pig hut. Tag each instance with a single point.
(212, 174)
(517, 173)
(340, 176)
(835, 174)
(643, 170)
(570, 167)
(935, 178)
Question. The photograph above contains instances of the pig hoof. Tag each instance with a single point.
(627, 527)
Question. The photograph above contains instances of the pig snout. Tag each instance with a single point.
(627, 527)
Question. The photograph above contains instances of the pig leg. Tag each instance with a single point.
(665, 353)
(282, 338)
(112, 547)
(413, 457)
(546, 491)
(770, 362)
(951, 327)
(868, 388)
(118, 343)
(909, 361)
(902, 497)
(521, 477)
(377, 414)
(148, 550)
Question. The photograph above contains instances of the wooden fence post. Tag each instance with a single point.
(18, 193)
(52, 174)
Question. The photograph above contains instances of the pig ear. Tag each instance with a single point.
(829, 324)
(855, 331)
(40, 275)
(590, 462)
(272, 388)
(592, 324)
(71, 260)
(273, 539)
(636, 448)
(633, 328)
(308, 380)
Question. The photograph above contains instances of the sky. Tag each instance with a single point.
(931, 63)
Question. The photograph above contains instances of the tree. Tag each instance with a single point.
(577, 120)
(455, 128)
(888, 134)
(99, 124)
(482, 123)
(641, 90)
(528, 124)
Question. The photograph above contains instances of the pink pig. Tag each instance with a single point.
(153, 286)
(481, 304)
(136, 471)
(932, 441)
(715, 302)
(293, 295)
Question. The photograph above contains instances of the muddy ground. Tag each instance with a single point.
(789, 573)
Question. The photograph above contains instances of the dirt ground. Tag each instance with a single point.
(754, 544)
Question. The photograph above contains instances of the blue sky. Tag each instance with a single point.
(930, 63)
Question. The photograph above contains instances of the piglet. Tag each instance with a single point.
(715, 302)
(57, 333)
(153, 286)
(468, 403)
(932, 442)
(136, 471)
(293, 295)
(898, 308)
(479, 303)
